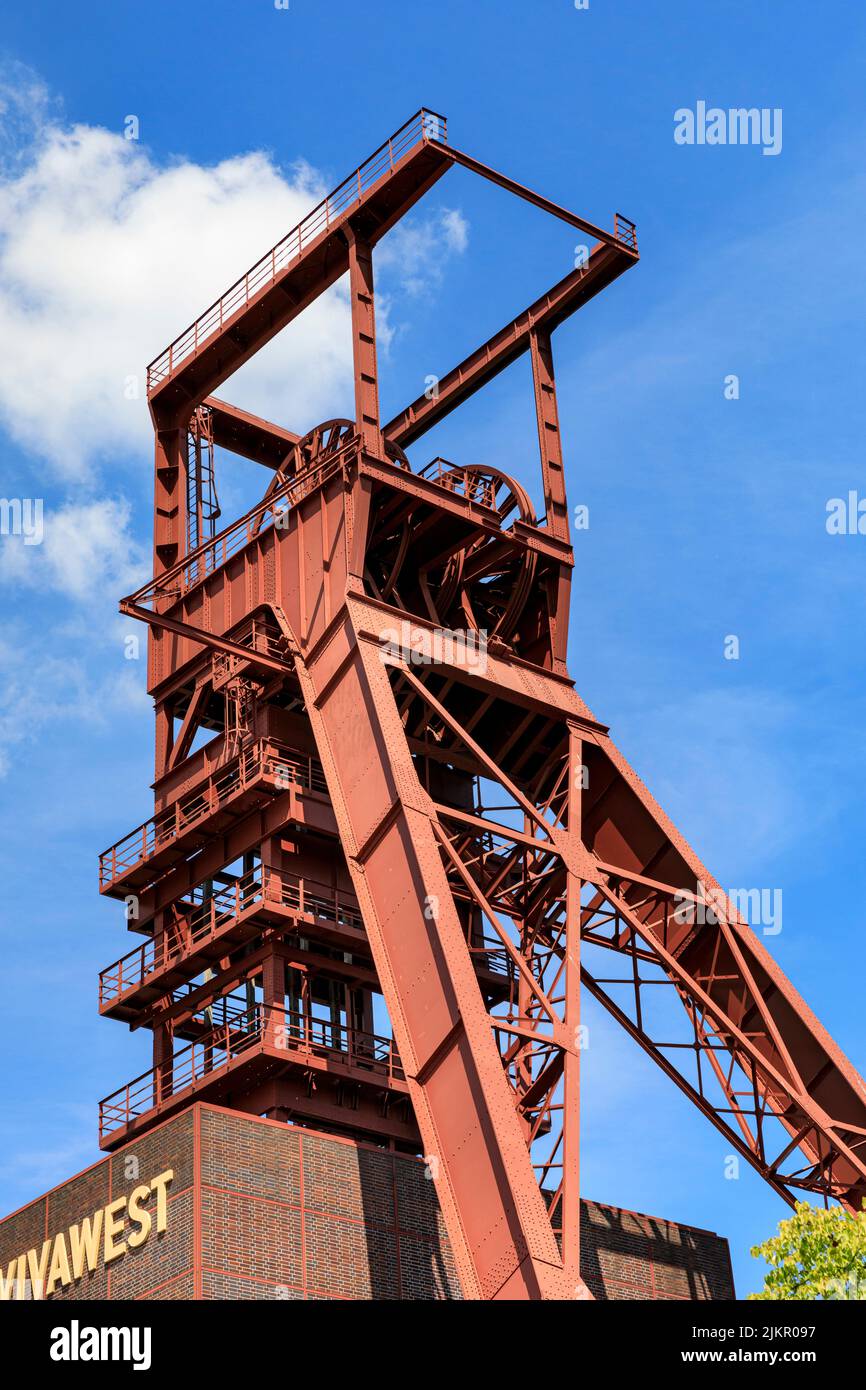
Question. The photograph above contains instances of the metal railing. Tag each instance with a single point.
(263, 759)
(467, 482)
(493, 957)
(311, 899)
(625, 231)
(194, 569)
(259, 633)
(206, 920)
(193, 928)
(423, 127)
(280, 1029)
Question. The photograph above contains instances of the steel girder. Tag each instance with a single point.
(492, 833)
(521, 886)
(451, 1048)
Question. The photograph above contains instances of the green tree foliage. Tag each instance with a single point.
(818, 1254)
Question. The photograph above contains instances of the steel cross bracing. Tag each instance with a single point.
(375, 784)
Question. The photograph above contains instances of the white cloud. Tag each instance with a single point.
(43, 685)
(105, 256)
(416, 251)
(54, 671)
(87, 551)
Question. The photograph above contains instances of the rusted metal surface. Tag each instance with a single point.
(404, 800)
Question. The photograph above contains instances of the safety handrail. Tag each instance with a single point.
(625, 231)
(266, 756)
(281, 1029)
(424, 126)
(303, 895)
(200, 564)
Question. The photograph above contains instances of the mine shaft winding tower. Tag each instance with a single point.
(403, 803)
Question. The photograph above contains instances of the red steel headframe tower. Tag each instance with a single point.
(375, 781)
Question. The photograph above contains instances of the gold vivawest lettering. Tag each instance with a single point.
(104, 1236)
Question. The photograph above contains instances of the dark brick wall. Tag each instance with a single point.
(262, 1211)
(161, 1258)
(625, 1255)
(288, 1213)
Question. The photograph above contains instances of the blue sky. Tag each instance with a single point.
(707, 516)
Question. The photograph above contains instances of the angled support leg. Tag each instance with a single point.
(503, 1241)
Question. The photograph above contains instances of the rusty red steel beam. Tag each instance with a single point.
(186, 733)
(564, 1027)
(833, 1081)
(248, 435)
(392, 837)
(605, 264)
(700, 1101)
(778, 1091)
(176, 392)
(538, 200)
(728, 928)
(207, 639)
(265, 442)
(490, 827)
(281, 299)
(752, 1146)
(504, 1247)
(489, 912)
(773, 1082)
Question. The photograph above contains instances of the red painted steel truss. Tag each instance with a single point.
(375, 781)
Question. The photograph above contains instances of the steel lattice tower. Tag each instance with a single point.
(443, 833)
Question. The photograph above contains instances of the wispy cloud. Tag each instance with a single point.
(46, 690)
(414, 255)
(87, 551)
(26, 108)
(719, 762)
(27, 1172)
(106, 254)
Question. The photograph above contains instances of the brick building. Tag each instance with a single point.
(260, 1210)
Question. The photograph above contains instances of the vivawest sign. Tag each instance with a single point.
(122, 1224)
